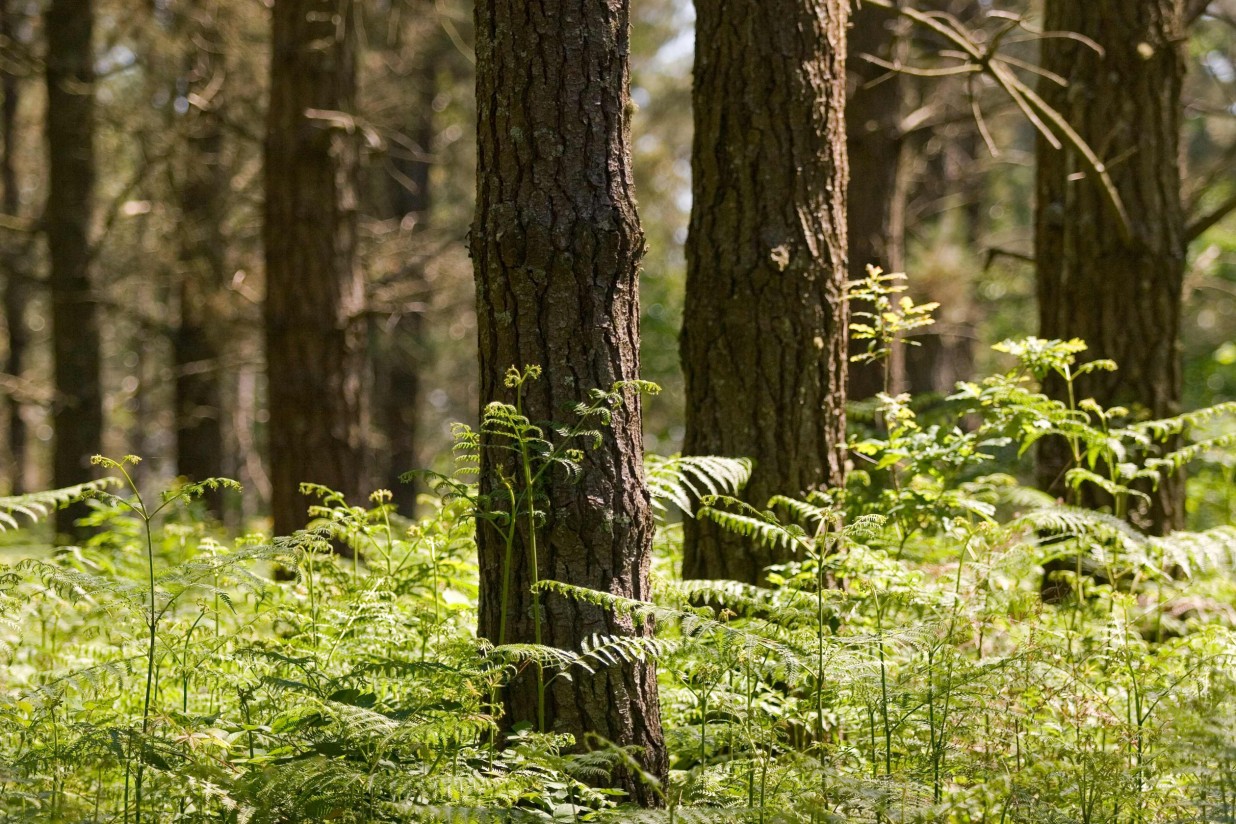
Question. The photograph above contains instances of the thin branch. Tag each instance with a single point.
(996, 252)
(1027, 100)
(1211, 218)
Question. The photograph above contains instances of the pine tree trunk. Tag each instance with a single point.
(315, 294)
(764, 323)
(197, 345)
(16, 291)
(1122, 295)
(556, 247)
(77, 417)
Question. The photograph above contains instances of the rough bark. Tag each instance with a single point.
(315, 294)
(197, 346)
(1121, 294)
(876, 203)
(556, 246)
(16, 291)
(77, 417)
(764, 323)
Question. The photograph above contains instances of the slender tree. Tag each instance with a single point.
(314, 293)
(1115, 280)
(764, 325)
(202, 195)
(77, 417)
(403, 196)
(875, 144)
(556, 246)
(16, 295)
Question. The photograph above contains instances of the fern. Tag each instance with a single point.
(38, 505)
(683, 480)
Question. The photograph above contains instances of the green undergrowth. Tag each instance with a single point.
(901, 665)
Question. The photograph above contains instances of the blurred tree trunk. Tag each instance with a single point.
(16, 290)
(1119, 292)
(764, 322)
(400, 352)
(556, 247)
(203, 193)
(314, 291)
(78, 407)
(876, 204)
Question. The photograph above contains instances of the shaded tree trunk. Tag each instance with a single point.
(556, 246)
(764, 322)
(314, 291)
(77, 416)
(1120, 293)
(16, 290)
(876, 202)
(400, 353)
(197, 346)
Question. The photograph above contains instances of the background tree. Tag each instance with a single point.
(764, 323)
(67, 217)
(16, 294)
(1115, 280)
(314, 292)
(875, 145)
(556, 246)
(203, 201)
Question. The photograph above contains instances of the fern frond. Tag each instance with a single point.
(38, 505)
(684, 479)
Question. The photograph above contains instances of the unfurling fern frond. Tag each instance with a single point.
(683, 480)
(38, 505)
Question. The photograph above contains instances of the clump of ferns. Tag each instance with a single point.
(141, 628)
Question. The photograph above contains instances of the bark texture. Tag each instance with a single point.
(556, 246)
(197, 346)
(315, 294)
(77, 417)
(764, 323)
(1120, 293)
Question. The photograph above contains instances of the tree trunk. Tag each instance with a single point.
(401, 351)
(314, 291)
(1121, 294)
(764, 323)
(876, 204)
(556, 247)
(197, 342)
(77, 417)
(16, 290)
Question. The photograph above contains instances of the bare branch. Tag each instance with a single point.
(1211, 218)
(1027, 100)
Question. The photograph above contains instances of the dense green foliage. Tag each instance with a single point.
(906, 666)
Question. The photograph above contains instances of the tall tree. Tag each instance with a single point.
(556, 246)
(77, 417)
(16, 295)
(875, 143)
(764, 324)
(415, 54)
(1115, 281)
(314, 292)
(202, 195)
